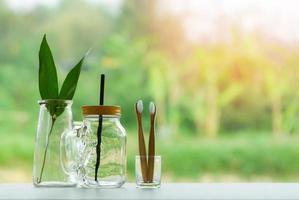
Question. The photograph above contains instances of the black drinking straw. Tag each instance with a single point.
(99, 131)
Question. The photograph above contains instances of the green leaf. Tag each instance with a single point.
(48, 83)
(70, 83)
(56, 108)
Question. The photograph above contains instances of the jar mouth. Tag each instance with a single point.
(58, 101)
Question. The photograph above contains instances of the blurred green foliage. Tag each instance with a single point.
(213, 99)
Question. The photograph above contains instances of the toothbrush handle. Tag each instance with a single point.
(151, 151)
(142, 150)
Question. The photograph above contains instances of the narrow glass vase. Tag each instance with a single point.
(52, 166)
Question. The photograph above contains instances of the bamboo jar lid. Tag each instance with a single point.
(101, 110)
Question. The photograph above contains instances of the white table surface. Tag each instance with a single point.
(167, 191)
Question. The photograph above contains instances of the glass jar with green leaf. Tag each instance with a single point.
(53, 165)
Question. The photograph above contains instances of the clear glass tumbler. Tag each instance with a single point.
(155, 182)
(51, 160)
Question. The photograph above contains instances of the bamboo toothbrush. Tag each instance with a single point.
(151, 151)
(142, 150)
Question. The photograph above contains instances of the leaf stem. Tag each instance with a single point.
(39, 179)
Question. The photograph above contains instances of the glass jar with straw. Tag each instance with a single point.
(111, 161)
(101, 146)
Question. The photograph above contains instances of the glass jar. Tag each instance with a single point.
(51, 161)
(103, 140)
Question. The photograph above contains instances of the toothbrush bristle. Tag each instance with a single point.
(139, 106)
(152, 107)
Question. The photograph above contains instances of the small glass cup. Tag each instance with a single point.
(155, 182)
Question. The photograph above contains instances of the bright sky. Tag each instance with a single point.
(27, 5)
(204, 18)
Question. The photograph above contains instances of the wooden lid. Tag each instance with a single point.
(101, 110)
